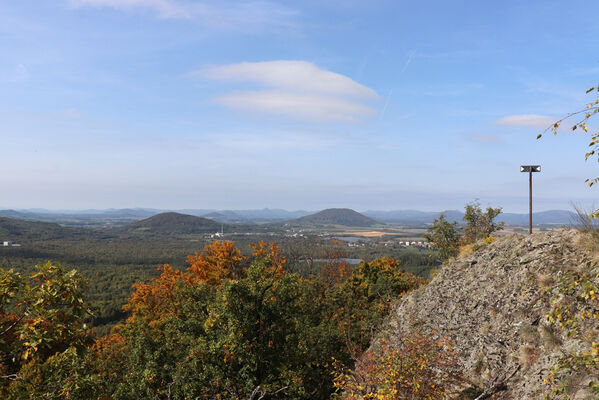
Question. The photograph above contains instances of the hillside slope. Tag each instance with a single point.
(336, 216)
(490, 305)
(23, 231)
(172, 222)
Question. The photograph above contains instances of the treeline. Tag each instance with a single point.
(228, 326)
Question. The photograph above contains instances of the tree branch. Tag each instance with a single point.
(4, 332)
(497, 385)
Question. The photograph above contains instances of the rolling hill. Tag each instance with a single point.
(173, 223)
(335, 216)
(17, 230)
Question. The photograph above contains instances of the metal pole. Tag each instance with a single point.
(530, 202)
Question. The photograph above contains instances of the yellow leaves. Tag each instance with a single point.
(415, 367)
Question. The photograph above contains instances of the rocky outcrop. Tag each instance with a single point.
(490, 306)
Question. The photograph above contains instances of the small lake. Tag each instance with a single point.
(351, 261)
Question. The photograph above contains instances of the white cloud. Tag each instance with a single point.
(290, 75)
(302, 106)
(297, 89)
(527, 120)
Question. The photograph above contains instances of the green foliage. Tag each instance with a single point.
(362, 302)
(265, 332)
(447, 238)
(479, 224)
(444, 237)
(112, 260)
(260, 332)
(41, 322)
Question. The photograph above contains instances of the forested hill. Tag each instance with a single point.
(172, 222)
(16, 230)
(336, 216)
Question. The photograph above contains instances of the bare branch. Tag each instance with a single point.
(4, 332)
(497, 385)
(12, 377)
(258, 392)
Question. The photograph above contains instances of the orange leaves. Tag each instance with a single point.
(218, 261)
(386, 264)
(150, 298)
(272, 253)
(336, 272)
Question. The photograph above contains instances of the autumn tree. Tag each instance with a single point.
(335, 269)
(270, 252)
(413, 366)
(155, 297)
(218, 261)
(365, 298)
(222, 329)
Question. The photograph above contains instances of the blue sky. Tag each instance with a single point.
(298, 105)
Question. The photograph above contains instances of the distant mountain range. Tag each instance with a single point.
(122, 217)
(117, 217)
(414, 217)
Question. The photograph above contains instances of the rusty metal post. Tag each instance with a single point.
(530, 202)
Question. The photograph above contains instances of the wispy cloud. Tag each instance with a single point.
(302, 106)
(248, 15)
(411, 56)
(527, 120)
(289, 75)
(296, 89)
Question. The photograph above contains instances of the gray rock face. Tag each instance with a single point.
(489, 305)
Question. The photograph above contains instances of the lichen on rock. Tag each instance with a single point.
(493, 304)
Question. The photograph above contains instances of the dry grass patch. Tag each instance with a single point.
(527, 356)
